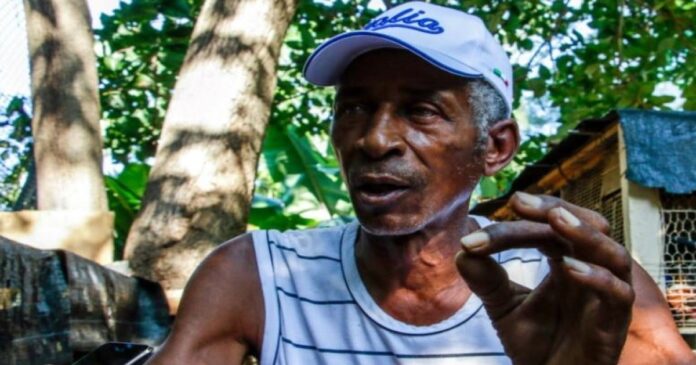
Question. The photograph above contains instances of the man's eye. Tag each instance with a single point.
(418, 111)
(351, 109)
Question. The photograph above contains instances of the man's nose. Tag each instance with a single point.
(382, 135)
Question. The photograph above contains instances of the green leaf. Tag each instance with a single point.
(143, 81)
(538, 86)
(489, 188)
(526, 44)
(124, 193)
(112, 62)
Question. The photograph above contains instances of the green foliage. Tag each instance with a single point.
(15, 150)
(633, 47)
(302, 177)
(124, 192)
(598, 55)
(140, 50)
(582, 60)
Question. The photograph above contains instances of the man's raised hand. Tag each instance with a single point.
(580, 313)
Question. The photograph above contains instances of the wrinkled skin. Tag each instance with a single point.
(412, 138)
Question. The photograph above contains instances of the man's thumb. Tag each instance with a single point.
(489, 281)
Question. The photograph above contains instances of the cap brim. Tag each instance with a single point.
(326, 65)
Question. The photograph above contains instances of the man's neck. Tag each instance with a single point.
(413, 277)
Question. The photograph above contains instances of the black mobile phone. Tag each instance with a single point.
(117, 353)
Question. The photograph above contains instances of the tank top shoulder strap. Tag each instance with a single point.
(264, 262)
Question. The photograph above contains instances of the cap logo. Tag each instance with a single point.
(407, 19)
(497, 72)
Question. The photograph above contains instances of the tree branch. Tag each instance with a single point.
(529, 63)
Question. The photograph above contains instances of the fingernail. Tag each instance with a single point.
(568, 218)
(475, 241)
(577, 265)
(529, 200)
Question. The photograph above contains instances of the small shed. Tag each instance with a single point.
(638, 169)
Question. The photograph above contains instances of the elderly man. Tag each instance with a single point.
(422, 111)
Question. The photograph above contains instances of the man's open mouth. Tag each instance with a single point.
(379, 189)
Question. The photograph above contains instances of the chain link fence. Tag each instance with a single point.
(679, 233)
(14, 52)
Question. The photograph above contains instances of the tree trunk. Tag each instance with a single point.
(65, 99)
(201, 184)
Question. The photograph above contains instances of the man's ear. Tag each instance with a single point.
(501, 147)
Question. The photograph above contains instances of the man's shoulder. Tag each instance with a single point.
(221, 311)
(332, 231)
(234, 263)
(234, 258)
(321, 241)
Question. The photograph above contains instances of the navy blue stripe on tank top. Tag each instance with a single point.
(313, 301)
(390, 353)
(304, 257)
(280, 311)
(521, 259)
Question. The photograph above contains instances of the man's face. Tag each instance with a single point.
(405, 138)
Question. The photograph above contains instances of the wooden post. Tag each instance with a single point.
(86, 233)
(642, 221)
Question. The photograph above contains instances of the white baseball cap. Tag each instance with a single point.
(449, 39)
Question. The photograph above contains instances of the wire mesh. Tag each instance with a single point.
(587, 193)
(612, 210)
(14, 52)
(679, 232)
(678, 214)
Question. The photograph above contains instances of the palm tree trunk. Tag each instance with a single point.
(202, 181)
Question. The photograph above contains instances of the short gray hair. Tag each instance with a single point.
(487, 108)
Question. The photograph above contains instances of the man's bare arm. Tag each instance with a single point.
(653, 337)
(220, 318)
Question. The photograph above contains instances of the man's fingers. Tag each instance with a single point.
(591, 245)
(616, 296)
(517, 234)
(490, 282)
(537, 208)
(564, 235)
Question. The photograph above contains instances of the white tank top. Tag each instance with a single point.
(318, 311)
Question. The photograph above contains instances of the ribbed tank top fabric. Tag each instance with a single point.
(318, 311)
